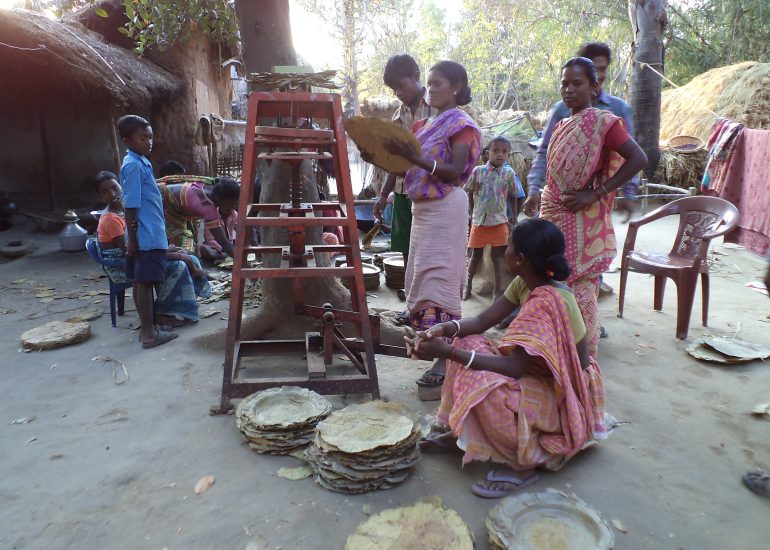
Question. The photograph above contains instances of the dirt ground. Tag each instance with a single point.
(113, 466)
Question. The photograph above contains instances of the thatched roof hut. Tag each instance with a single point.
(739, 92)
(74, 61)
(63, 88)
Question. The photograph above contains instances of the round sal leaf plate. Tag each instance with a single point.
(371, 134)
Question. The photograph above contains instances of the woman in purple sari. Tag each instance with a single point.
(435, 272)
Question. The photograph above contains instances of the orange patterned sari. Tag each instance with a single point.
(576, 162)
(537, 419)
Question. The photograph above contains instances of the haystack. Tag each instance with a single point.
(381, 107)
(683, 170)
(494, 116)
(739, 92)
(77, 61)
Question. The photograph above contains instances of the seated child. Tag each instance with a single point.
(111, 231)
(492, 188)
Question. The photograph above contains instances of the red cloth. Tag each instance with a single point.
(747, 186)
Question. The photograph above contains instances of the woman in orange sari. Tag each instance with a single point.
(535, 397)
(590, 156)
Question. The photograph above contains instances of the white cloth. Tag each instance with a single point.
(436, 271)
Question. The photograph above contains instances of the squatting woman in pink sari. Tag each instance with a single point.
(435, 272)
(590, 156)
(533, 398)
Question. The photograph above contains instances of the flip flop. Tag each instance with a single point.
(172, 322)
(500, 475)
(403, 318)
(161, 337)
(434, 442)
(429, 391)
(485, 492)
(425, 384)
(758, 481)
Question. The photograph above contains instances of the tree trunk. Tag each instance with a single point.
(350, 59)
(648, 20)
(275, 317)
(265, 34)
(266, 37)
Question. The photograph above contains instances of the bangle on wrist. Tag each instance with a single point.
(456, 323)
(473, 356)
(435, 165)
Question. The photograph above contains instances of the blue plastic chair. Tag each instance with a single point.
(117, 290)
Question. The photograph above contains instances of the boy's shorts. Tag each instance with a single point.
(148, 266)
(494, 235)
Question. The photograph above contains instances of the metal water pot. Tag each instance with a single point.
(72, 238)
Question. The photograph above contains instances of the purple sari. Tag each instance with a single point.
(435, 140)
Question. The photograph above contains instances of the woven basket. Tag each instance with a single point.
(685, 144)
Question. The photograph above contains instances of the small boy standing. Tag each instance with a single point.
(147, 245)
(491, 188)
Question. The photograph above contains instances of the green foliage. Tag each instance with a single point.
(161, 23)
(416, 27)
(513, 49)
(712, 33)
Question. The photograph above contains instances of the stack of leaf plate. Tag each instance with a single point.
(545, 521)
(727, 350)
(365, 447)
(395, 271)
(280, 420)
(426, 524)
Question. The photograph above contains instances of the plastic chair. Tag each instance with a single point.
(117, 290)
(701, 219)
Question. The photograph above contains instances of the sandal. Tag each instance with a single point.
(758, 481)
(429, 391)
(498, 476)
(403, 318)
(439, 442)
(169, 321)
(161, 337)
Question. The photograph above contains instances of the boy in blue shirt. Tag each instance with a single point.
(146, 246)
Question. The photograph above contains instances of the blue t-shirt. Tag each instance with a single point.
(141, 192)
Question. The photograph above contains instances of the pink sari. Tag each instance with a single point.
(576, 162)
(544, 417)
